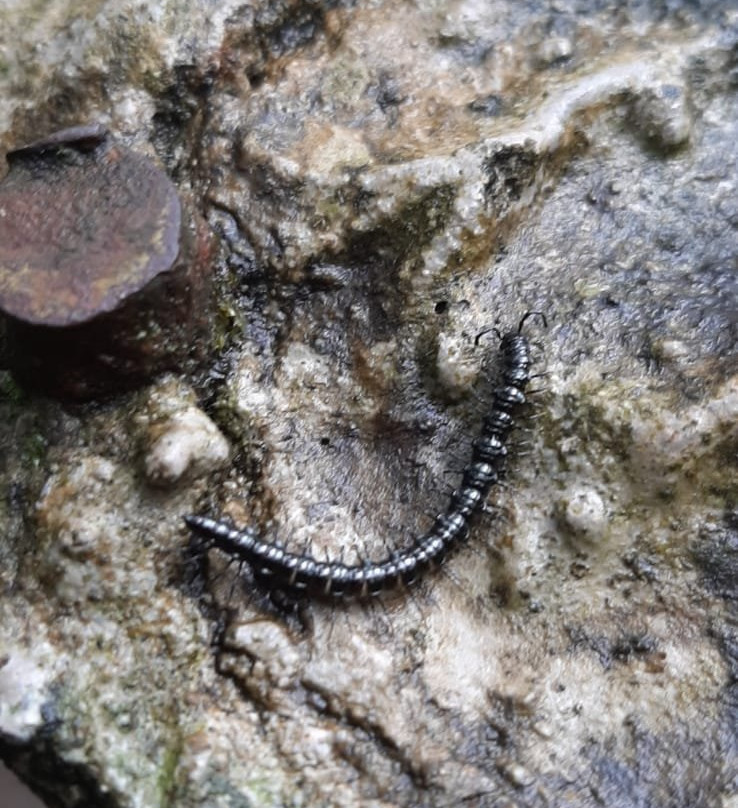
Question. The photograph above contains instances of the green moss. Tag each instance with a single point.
(167, 780)
(10, 392)
(17, 408)
(34, 448)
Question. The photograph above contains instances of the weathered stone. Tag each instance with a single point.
(389, 180)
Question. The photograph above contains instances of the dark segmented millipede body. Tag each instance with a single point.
(304, 574)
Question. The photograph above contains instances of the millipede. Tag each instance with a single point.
(307, 576)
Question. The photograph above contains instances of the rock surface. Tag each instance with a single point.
(386, 182)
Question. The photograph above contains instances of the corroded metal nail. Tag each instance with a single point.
(103, 278)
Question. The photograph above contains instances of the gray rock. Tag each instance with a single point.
(373, 221)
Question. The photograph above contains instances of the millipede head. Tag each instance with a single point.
(515, 350)
(204, 526)
(518, 332)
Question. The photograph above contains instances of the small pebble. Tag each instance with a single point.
(584, 513)
(515, 774)
(661, 114)
(554, 50)
(186, 444)
(455, 369)
(674, 350)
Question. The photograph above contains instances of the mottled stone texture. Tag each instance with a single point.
(385, 181)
